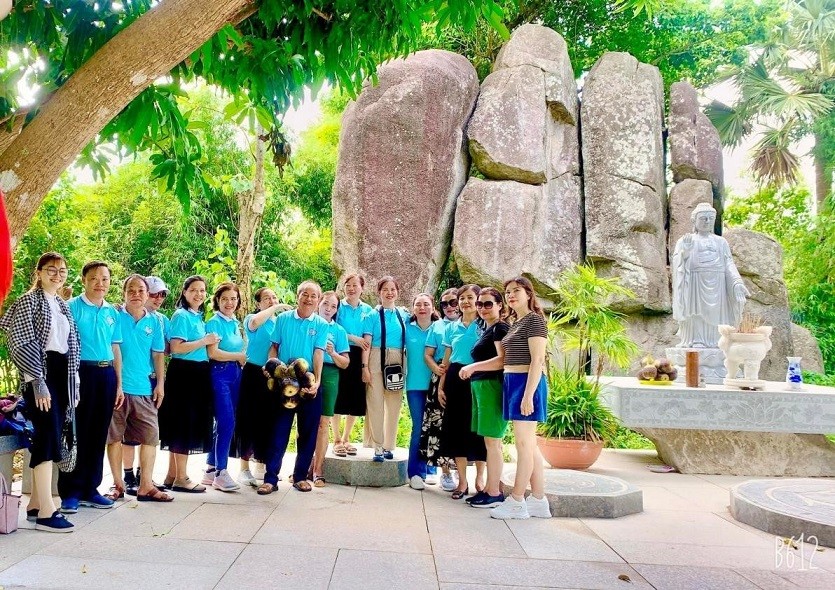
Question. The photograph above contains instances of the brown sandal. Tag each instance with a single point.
(265, 489)
(154, 496)
(318, 481)
(303, 486)
(115, 493)
(339, 450)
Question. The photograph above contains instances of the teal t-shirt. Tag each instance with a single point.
(394, 330)
(351, 318)
(461, 339)
(229, 330)
(435, 338)
(339, 337)
(98, 328)
(139, 339)
(298, 337)
(258, 341)
(418, 374)
(188, 326)
(166, 324)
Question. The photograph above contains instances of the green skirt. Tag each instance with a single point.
(487, 408)
(329, 388)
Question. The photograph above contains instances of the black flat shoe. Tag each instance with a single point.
(57, 523)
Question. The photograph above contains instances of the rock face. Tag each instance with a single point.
(402, 162)
(805, 346)
(695, 149)
(502, 225)
(623, 167)
(759, 259)
(684, 197)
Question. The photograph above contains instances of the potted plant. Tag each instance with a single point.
(577, 423)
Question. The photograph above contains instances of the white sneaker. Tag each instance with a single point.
(246, 478)
(510, 508)
(431, 480)
(416, 483)
(224, 482)
(448, 483)
(538, 507)
(209, 477)
(260, 471)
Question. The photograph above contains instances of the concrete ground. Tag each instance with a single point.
(343, 537)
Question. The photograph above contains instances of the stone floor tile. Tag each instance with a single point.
(144, 519)
(48, 572)
(533, 572)
(457, 586)
(453, 535)
(560, 538)
(23, 543)
(223, 522)
(765, 579)
(372, 570)
(673, 577)
(816, 579)
(287, 568)
(639, 551)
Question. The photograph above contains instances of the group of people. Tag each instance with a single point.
(95, 379)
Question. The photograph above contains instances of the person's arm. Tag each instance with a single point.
(159, 370)
(341, 360)
(429, 359)
(442, 381)
(262, 316)
(494, 364)
(117, 366)
(359, 341)
(216, 354)
(536, 345)
(366, 353)
(318, 361)
(180, 346)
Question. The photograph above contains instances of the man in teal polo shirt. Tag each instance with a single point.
(299, 333)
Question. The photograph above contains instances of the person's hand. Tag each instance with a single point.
(65, 292)
(365, 344)
(241, 358)
(158, 395)
(211, 338)
(366, 375)
(329, 348)
(120, 398)
(442, 398)
(527, 405)
(466, 372)
(43, 399)
(313, 389)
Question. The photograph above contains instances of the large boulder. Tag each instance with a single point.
(623, 164)
(805, 345)
(695, 148)
(402, 162)
(684, 197)
(759, 259)
(507, 228)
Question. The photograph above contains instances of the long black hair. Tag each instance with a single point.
(181, 300)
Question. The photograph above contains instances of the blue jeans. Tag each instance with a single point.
(417, 403)
(226, 381)
(309, 411)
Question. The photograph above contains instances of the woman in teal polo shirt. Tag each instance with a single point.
(226, 359)
(457, 438)
(185, 419)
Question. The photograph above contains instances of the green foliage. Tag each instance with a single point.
(625, 438)
(574, 408)
(818, 379)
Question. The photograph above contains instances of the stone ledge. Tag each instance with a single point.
(578, 494)
(362, 471)
(788, 507)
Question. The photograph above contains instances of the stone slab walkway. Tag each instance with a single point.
(341, 537)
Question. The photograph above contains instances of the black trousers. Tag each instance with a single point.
(93, 414)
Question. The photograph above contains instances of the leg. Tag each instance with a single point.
(114, 457)
(42, 484)
(101, 415)
(525, 432)
(280, 437)
(416, 400)
(461, 465)
(147, 456)
(375, 402)
(393, 401)
(224, 382)
(349, 426)
(309, 416)
(480, 468)
(494, 465)
(321, 445)
(336, 420)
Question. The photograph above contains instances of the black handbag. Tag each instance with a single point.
(394, 377)
(69, 448)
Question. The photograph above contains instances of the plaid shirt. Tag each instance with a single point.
(27, 323)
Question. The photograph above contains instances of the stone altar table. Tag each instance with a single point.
(722, 430)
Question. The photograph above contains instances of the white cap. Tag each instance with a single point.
(156, 285)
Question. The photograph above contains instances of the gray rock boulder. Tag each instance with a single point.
(623, 161)
(695, 148)
(805, 345)
(402, 162)
(504, 228)
(684, 197)
(759, 259)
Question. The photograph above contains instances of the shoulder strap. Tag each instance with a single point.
(403, 326)
(382, 331)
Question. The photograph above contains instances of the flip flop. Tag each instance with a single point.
(340, 450)
(190, 487)
(154, 496)
(351, 450)
(318, 481)
(662, 468)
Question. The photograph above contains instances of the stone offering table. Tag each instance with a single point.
(722, 430)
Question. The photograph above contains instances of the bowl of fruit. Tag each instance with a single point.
(656, 371)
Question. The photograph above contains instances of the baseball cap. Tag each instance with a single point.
(156, 285)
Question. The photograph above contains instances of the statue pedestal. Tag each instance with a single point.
(711, 363)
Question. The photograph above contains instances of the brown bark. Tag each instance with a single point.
(99, 90)
(823, 177)
(251, 207)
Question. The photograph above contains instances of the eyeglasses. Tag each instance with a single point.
(450, 303)
(160, 295)
(484, 304)
(53, 271)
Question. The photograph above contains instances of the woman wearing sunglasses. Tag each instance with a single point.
(485, 376)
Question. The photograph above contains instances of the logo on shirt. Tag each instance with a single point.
(149, 330)
(110, 321)
(311, 332)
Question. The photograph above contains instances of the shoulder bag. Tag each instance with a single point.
(394, 377)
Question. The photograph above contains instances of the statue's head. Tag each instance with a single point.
(703, 218)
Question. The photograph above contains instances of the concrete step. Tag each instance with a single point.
(362, 471)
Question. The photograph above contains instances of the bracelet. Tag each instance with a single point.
(365, 366)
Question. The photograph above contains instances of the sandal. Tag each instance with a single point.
(318, 481)
(189, 486)
(339, 450)
(154, 496)
(265, 489)
(115, 493)
(167, 483)
(351, 450)
(458, 494)
(303, 486)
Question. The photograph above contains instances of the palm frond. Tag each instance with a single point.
(772, 160)
(732, 123)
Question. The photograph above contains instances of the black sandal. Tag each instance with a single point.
(458, 494)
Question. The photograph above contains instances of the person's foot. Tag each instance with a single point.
(57, 523)
(485, 500)
(431, 479)
(188, 486)
(416, 483)
(131, 480)
(131, 487)
(96, 501)
(477, 496)
(245, 478)
(379, 456)
(388, 455)
(32, 514)
(224, 482)
(448, 483)
(69, 506)
(259, 471)
(538, 507)
(510, 509)
(209, 477)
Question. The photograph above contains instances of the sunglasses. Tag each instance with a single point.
(160, 295)
(484, 304)
(451, 303)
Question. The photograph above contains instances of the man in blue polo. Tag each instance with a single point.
(298, 333)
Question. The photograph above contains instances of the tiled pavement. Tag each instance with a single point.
(344, 538)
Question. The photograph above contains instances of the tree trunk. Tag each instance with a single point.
(823, 177)
(251, 206)
(130, 62)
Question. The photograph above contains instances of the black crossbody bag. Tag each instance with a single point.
(394, 377)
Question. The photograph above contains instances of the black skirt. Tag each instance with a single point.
(457, 437)
(252, 424)
(351, 397)
(186, 415)
(46, 439)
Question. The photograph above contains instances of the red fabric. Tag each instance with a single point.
(5, 251)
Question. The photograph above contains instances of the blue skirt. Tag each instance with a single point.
(513, 392)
